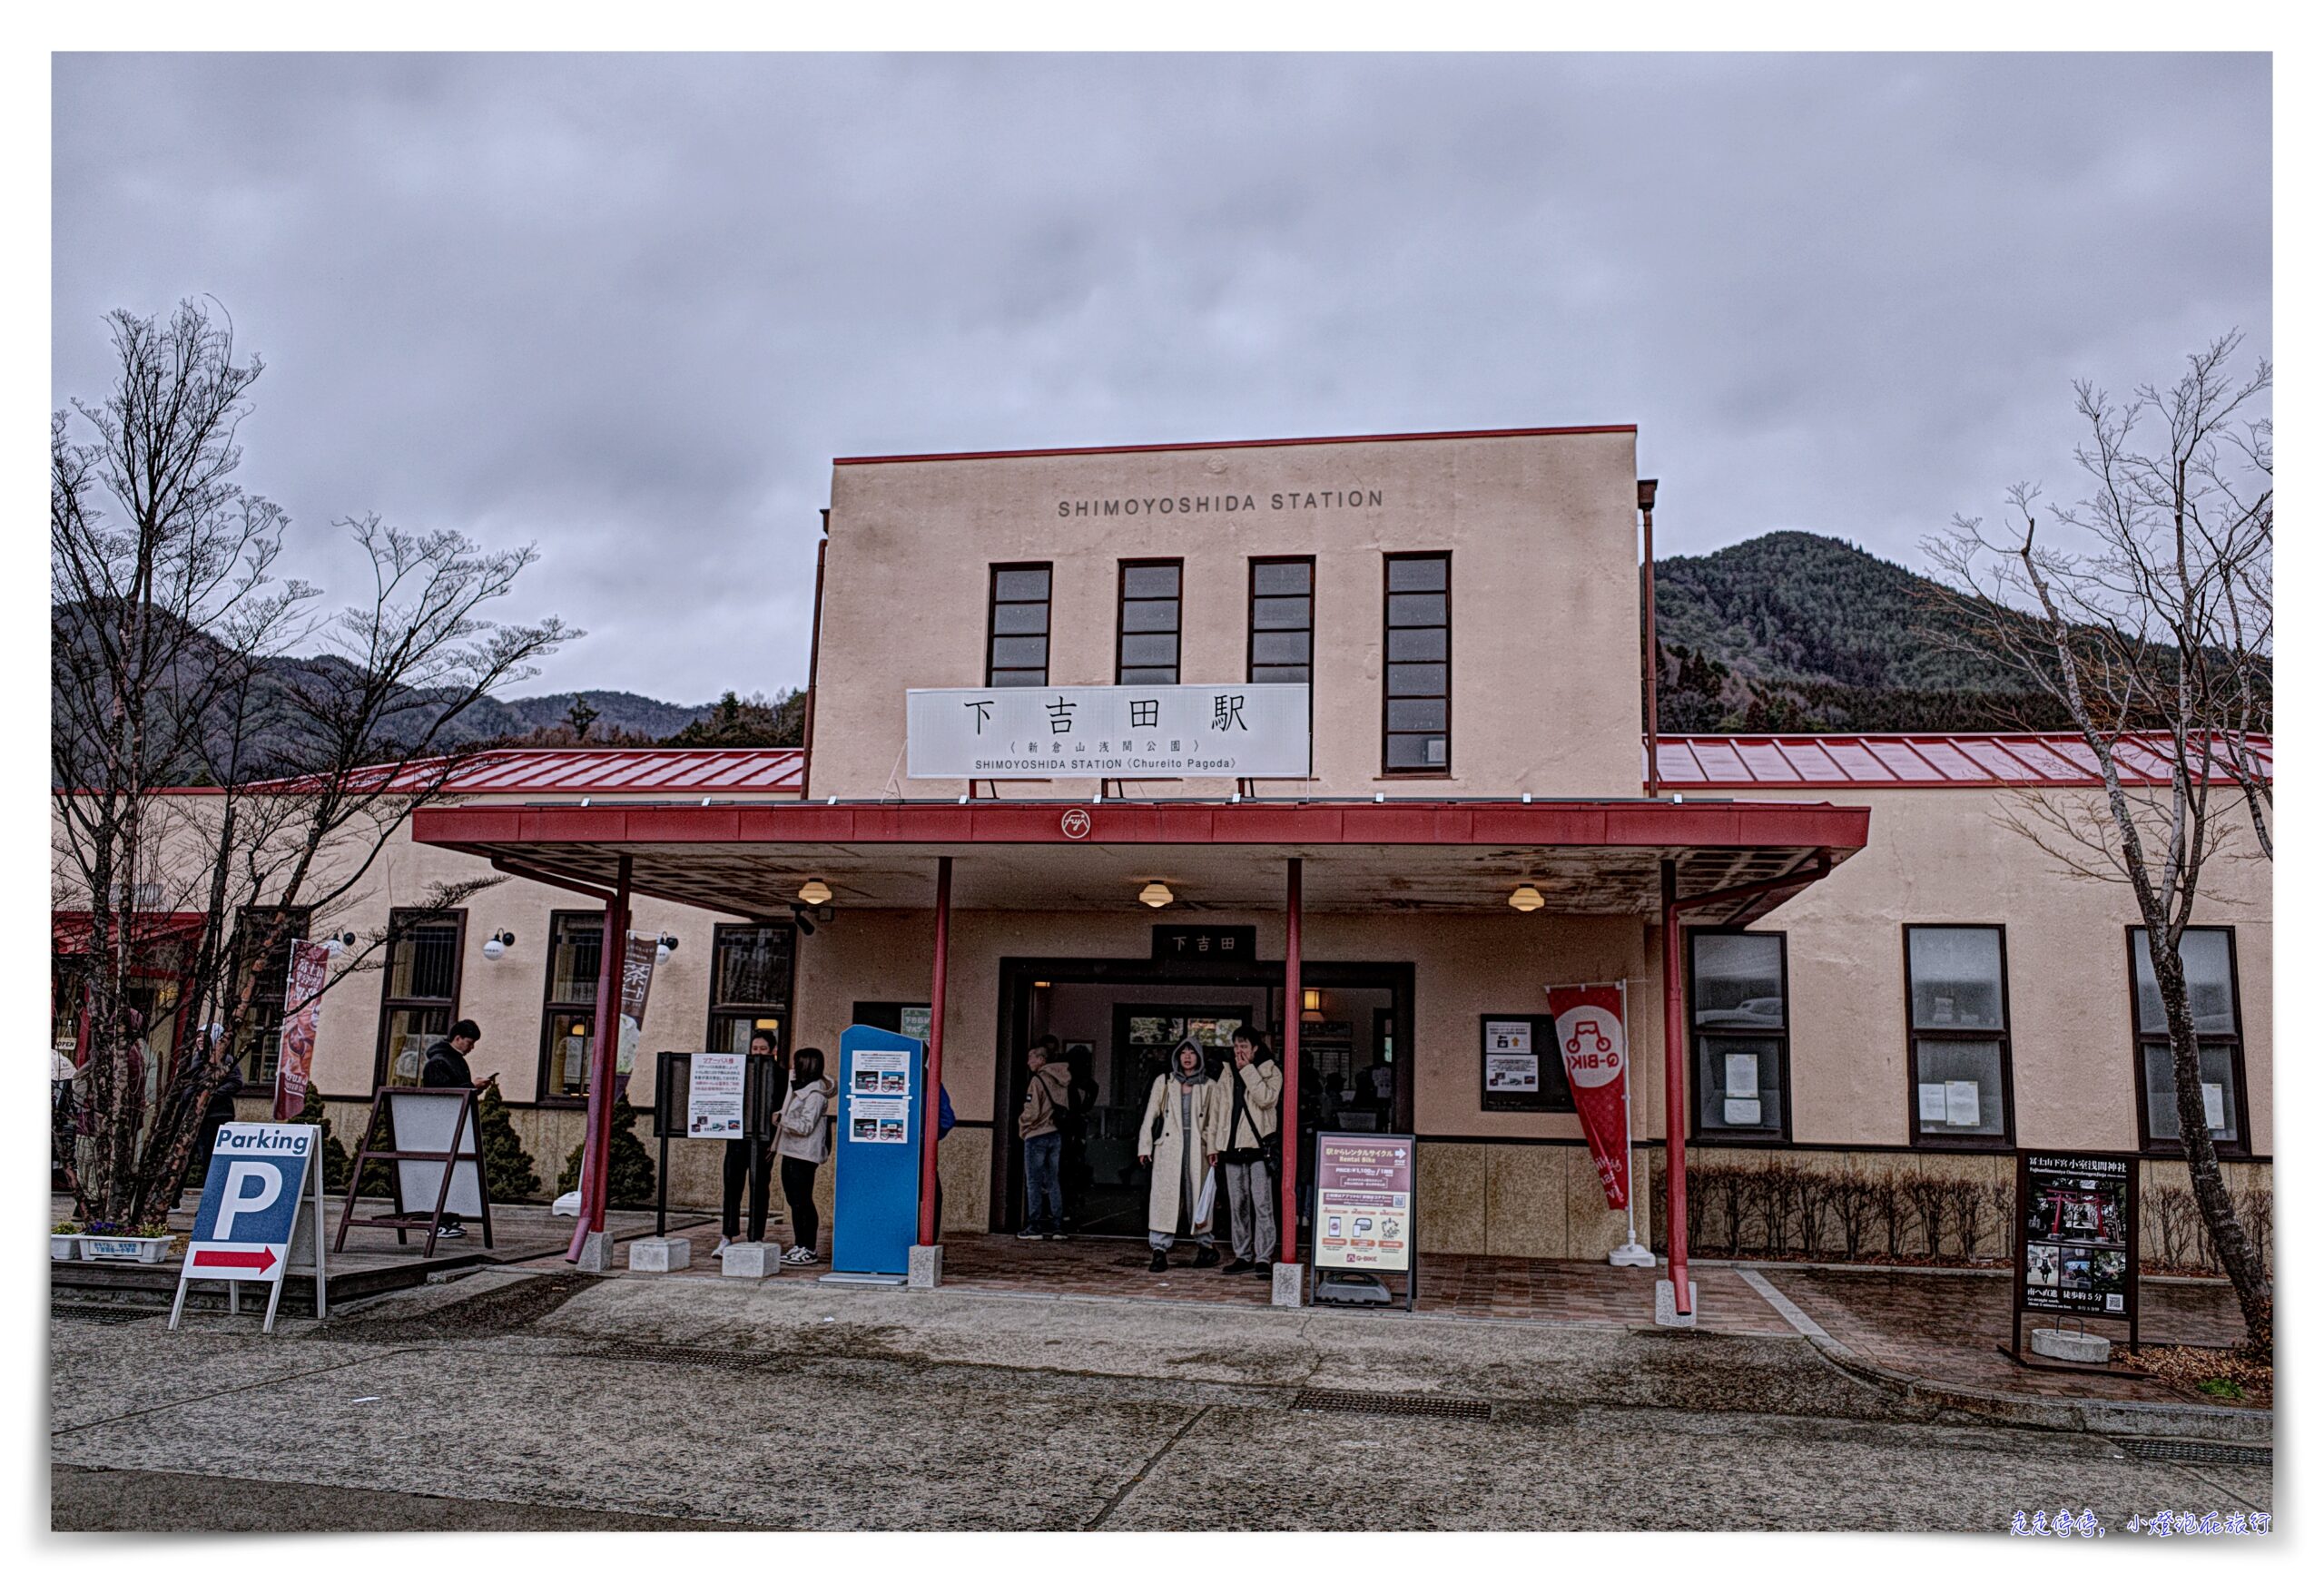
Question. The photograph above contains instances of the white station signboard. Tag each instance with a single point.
(1242, 730)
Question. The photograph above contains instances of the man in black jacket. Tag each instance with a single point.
(447, 1067)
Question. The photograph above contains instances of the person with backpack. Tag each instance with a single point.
(1037, 1125)
(1185, 1124)
(1254, 1085)
(803, 1143)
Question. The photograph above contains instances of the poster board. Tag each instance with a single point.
(1364, 1204)
(260, 1216)
(875, 1212)
(1518, 1064)
(2077, 1239)
(423, 1120)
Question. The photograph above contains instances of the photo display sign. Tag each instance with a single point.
(2077, 1235)
(1247, 730)
(1364, 1200)
(879, 1097)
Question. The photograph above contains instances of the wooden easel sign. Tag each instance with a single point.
(262, 1179)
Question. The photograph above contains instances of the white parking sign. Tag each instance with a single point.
(246, 1225)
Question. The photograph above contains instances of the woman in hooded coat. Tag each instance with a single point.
(1183, 1129)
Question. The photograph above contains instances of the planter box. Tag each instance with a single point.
(63, 1247)
(134, 1250)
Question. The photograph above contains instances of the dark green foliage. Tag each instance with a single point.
(336, 1160)
(1794, 632)
(629, 1177)
(756, 722)
(509, 1172)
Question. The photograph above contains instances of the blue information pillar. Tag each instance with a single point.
(877, 1213)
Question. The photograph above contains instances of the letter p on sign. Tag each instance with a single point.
(251, 1186)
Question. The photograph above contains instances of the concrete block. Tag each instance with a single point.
(924, 1265)
(596, 1253)
(1290, 1284)
(751, 1260)
(2070, 1346)
(1666, 1305)
(660, 1256)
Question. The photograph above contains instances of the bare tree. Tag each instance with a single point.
(169, 668)
(2145, 607)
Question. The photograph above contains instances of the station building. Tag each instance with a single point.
(1432, 648)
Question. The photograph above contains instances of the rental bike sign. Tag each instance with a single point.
(262, 1175)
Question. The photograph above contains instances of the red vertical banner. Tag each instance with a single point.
(638, 954)
(309, 963)
(1595, 1046)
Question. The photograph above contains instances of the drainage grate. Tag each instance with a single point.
(702, 1357)
(84, 1313)
(1391, 1405)
(2201, 1452)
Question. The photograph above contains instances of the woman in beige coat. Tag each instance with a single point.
(1183, 1129)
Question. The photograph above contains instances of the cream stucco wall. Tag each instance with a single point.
(1541, 529)
(1947, 855)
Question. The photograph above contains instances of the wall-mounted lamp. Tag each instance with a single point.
(1156, 894)
(663, 948)
(1311, 1006)
(336, 943)
(496, 946)
(1525, 898)
(814, 893)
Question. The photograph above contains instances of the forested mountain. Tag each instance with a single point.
(1798, 632)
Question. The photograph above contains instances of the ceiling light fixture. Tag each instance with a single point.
(1525, 898)
(814, 893)
(1156, 894)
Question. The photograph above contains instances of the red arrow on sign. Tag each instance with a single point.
(261, 1260)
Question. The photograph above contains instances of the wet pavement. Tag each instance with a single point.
(504, 1400)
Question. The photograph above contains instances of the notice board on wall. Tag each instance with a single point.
(1518, 1065)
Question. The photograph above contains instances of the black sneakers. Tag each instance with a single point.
(1205, 1258)
(1263, 1271)
(1238, 1267)
(451, 1231)
(1160, 1262)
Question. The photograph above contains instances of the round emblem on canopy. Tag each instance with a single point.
(1075, 824)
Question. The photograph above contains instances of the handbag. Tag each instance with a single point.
(1270, 1150)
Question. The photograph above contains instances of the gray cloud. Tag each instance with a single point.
(630, 307)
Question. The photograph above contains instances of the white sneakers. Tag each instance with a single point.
(798, 1255)
(724, 1244)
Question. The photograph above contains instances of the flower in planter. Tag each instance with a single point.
(64, 1228)
(155, 1228)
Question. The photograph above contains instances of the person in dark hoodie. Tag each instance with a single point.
(1037, 1125)
(447, 1067)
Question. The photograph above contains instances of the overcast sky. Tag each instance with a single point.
(630, 307)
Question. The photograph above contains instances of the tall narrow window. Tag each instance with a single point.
(1017, 648)
(1282, 621)
(1146, 641)
(262, 936)
(2209, 957)
(1742, 1033)
(1959, 1009)
(419, 994)
(569, 1003)
(1416, 716)
(750, 985)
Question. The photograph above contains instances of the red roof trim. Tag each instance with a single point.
(1235, 445)
(1652, 824)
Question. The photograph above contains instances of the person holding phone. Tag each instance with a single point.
(748, 1160)
(447, 1067)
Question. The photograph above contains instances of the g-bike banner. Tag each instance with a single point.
(1595, 1046)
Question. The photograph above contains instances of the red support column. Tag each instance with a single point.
(928, 1107)
(1287, 1110)
(605, 1044)
(1674, 1088)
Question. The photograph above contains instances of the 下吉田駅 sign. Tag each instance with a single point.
(1243, 730)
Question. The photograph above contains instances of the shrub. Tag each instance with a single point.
(509, 1172)
(629, 1173)
(1927, 1194)
(1849, 1199)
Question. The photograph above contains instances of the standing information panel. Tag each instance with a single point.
(1364, 1206)
(875, 1217)
(250, 1225)
(2077, 1239)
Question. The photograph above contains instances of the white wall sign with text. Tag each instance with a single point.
(1258, 730)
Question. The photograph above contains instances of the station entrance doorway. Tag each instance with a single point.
(1117, 1021)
